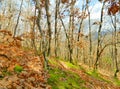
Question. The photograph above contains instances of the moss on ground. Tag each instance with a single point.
(70, 65)
(65, 79)
(116, 81)
(96, 75)
(60, 79)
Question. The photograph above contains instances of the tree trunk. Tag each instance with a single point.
(99, 38)
(79, 29)
(56, 30)
(42, 35)
(18, 19)
(68, 39)
(115, 48)
(90, 36)
(71, 28)
(49, 26)
(33, 34)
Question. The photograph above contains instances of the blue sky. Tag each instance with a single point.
(95, 8)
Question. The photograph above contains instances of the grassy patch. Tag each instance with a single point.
(95, 74)
(70, 65)
(107, 59)
(117, 81)
(64, 79)
(18, 69)
(4, 72)
(60, 79)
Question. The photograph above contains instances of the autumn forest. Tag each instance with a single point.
(59, 44)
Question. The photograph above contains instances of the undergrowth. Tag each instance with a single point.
(60, 79)
(65, 79)
(95, 74)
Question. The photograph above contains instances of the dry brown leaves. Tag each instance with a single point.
(114, 8)
(33, 75)
(64, 1)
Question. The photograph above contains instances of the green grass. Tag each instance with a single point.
(5, 72)
(95, 74)
(107, 59)
(117, 81)
(18, 69)
(70, 65)
(60, 79)
(64, 79)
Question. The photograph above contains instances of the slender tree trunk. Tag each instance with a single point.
(10, 15)
(71, 28)
(90, 36)
(56, 30)
(56, 14)
(38, 22)
(42, 35)
(33, 34)
(115, 48)
(49, 25)
(18, 19)
(68, 39)
(80, 27)
(99, 38)
(78, 38)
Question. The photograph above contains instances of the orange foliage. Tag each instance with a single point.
(64, 1)
(6, 32)
(2, 17)
(32, 18)
(113, 9)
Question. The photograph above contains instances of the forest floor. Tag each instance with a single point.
(64, 75)
(20, 68)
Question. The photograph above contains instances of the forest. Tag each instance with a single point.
(59, 44)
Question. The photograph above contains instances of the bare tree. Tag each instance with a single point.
(71, 29)
(56, 24)
(99, 38)
(38, 22)
(18, 19)
(115, 45)
(49, 25)
(80, 25)
(90, 35)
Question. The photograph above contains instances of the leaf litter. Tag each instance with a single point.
(20, 69)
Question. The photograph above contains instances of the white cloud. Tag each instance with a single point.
(78, 3)
(96, 10)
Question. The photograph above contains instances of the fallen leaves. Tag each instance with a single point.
(19, 68)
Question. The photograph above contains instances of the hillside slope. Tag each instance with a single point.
(64, 75)
(20, 68)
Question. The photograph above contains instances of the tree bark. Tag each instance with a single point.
(49, 25)
(38, 21)
(56, 30)
(99, 39)
(68, 39)
(90, 36)
(18, 19)
(115, 47)
(71, 28)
